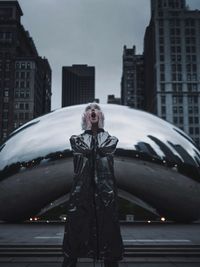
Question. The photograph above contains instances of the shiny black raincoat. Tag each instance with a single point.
(92, 229)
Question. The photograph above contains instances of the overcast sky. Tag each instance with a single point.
(89, 32)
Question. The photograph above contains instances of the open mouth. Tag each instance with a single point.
(93, 115)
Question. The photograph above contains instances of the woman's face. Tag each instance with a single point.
(93, 113)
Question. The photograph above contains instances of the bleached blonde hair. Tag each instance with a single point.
(101, 118)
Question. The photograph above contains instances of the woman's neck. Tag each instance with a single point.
(94, 128)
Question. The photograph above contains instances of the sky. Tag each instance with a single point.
(91, 32)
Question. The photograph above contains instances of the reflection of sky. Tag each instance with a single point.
(53, 131)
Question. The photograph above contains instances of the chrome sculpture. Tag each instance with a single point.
(157, 165)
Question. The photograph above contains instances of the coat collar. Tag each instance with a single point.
(90, 131)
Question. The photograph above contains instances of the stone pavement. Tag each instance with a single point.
(136, 235)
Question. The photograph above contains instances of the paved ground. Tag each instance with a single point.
(136, 234)
(37, 233)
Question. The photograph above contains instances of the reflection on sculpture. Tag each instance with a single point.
(156, 164)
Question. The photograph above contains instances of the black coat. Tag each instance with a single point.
(92, 229)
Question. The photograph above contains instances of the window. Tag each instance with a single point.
(180, 109)
(175, 120)
(196, 110)
(22, 75)
(21, 116)
(162, 58)
(162, 87)
(5, 115)
(162, 49)
(21, 106)
(191, 130)
(162, 76)
(6, 93)
(162, 67)
(26, 116)
(196, 120)
(5, 106)
(190, 120)
(27, 94)
(5, 124)
(161, 32)
(26, 106)
(22, 94)
(163, 99)
(175, 110)
(28, 75)
(22, 84)
(16, 93)
(163, 109)
(196, 130)
(17, 84)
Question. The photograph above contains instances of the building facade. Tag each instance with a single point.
(78, 85)
(172, 65)
(132, 82)
(112, 99)
(25, 77)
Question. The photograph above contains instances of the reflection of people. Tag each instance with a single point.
(92, 229)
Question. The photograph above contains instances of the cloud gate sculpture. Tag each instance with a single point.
(157, 165)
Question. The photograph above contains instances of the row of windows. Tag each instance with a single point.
(21, 116)
(179, 109)
(6, 36)
(177, 32)
(22, 93)
(177, 76)
(22, 74)
(6, 66)
(178, 58)
(193, 130)
(192, 120)
(177, 49)
(176, 22)
(22, 106)
(24, 65)
(22, 84)
(17, 124)
(177, 87)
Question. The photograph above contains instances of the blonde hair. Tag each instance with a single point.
(101, 118)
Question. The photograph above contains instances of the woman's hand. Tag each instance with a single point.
(88, 121)
(101, 119)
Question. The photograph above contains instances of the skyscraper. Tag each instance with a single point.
(172, 64)
(25, 77)
(132, 82)
(78, 85)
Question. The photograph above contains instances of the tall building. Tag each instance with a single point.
(172, 64)
(78, 85)
(113, 100)
(25, 77)
(132, 82)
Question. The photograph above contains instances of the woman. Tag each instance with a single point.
(92, 229)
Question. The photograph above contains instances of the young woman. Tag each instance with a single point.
(92, 229)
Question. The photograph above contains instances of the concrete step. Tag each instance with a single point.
(130, 251)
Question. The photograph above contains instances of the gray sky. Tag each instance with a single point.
(89, 32)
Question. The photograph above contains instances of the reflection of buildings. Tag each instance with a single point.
(172, 56)
(25, 78)
(113, 100)
(132, 83)
(78, 85)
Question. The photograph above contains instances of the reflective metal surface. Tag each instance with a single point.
(156, 164)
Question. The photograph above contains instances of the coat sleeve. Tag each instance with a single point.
(106, 143)
(80, 145)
